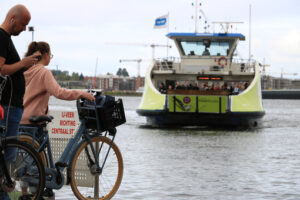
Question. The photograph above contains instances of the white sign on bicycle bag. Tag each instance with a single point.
(64, 124)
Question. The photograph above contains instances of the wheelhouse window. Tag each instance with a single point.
(205, 47)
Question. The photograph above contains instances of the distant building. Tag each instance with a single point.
(277, 83)
(113, 82)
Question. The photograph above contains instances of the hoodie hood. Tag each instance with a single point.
(32, 71)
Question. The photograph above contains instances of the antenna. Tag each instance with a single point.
(227, 25)
(196, 14)
(197, 17)
(206, 21)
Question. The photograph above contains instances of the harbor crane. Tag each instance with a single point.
(157, 45)
(153, 46)
(264, 65)
(283, 73)
(138, 84)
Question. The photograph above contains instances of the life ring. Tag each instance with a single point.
(222, 63)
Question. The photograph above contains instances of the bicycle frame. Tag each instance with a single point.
(55, 170)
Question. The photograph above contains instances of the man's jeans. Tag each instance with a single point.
(14, 115)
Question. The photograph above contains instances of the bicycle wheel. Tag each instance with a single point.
(89, 183)
(26, 171)
(36, 145)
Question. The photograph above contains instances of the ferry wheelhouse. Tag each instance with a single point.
(206, 86)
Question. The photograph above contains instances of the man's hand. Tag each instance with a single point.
(31, 60)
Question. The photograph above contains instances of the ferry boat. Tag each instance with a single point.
(206, 86)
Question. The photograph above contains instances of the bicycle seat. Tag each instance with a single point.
(41, 118)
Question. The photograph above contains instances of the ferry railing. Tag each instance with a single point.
(246, 64)
(166, 63)
(172, 63)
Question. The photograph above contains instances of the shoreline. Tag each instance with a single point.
(123, 93)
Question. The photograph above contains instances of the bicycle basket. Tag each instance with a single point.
(102, 117)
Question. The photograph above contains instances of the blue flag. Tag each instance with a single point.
(161, 22)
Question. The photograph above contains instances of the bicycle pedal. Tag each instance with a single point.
(61, 164)
(48, 192)
(8, 187)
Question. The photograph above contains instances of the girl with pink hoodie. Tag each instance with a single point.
(40, 85)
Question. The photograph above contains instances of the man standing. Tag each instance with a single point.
(14, 23)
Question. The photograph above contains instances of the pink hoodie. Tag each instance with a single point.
(40, 85)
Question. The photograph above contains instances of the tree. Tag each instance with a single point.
(119, 72)
(81, 77)
(124, 72)
(75, 76)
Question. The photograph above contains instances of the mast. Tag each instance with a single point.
(196, 16)
(94, 84)
(249, 34)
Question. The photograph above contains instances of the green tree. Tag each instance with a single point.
(75, 76)
(119, 72)
(81, 77)
(124, 72)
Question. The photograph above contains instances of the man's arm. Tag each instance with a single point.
(9, 69)
(13, 68)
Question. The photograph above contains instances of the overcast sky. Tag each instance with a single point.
(80, 31)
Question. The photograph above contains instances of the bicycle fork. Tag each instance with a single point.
(94, 166)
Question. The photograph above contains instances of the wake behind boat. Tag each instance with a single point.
(205, 86)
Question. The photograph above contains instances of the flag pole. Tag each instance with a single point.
(249, 34)
(167, 34)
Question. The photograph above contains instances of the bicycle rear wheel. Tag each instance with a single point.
(26, 171)
(89, 183)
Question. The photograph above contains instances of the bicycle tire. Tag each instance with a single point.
(34, 143)
(111, 174)
(26, 169)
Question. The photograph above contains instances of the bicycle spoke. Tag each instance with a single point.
(100, 183)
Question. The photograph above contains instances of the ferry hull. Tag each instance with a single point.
(230, 119)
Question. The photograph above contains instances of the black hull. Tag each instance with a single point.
(230, 119)
(281, 94)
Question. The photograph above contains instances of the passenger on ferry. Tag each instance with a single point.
(162, 88)
(205, 86)
(236, 89)
(224, 87)
(201, 86)
(178, 86)
(195, 86)
(186, 85)
(216, 87)
(242, 86)
(246, 85)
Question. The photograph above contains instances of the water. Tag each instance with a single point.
(201, 163)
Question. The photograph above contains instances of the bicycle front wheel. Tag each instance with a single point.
(87, 180)
(25, 169)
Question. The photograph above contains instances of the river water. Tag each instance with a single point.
(201, 163)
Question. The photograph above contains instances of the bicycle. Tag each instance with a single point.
(93, 142)
(23, 178)
(22, 174)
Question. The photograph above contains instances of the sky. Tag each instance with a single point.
(91, 36)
